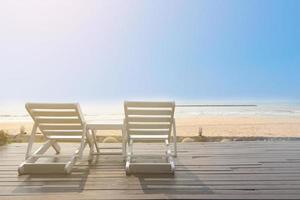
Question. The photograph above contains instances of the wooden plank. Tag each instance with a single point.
(36, 168)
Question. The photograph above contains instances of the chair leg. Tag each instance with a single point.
(91, 152)
(70, 164)
(167, 150)
(129, 156)
(95, 141)
(124, 143)
(77, 154)
(169, 157)
(174, 139)
(56, 147)
(130, 147)
(41, 150)
(175, 146)
(127, 165)
(31, 141)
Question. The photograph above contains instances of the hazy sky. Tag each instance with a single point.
(54, 50)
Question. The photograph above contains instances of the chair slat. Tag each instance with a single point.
(69, 133)
(65, 138)
(148, 126)
(55, 113)
(60, 127)
(149, 119)
(51, 105)
(149, 112)
(148, 132)
(58, 121)
(149, 104)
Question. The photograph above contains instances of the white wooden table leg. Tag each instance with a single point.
(90, 141)
(95, 141)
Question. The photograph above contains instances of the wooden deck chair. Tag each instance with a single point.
(58, 123)
(150, 121)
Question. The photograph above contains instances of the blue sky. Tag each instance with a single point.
(72, 50)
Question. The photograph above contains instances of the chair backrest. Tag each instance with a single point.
(57, 119)
(149, 118)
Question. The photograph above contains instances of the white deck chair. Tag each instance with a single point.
(150, 121)
(57, 122)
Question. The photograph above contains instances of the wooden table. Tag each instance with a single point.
(93, 127)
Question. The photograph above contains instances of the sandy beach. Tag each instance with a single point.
(240, 126)
(246, 126)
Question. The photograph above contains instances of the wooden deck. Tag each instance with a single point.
(230, 170)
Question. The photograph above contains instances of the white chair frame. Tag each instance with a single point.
(58, 119)
(137, 128)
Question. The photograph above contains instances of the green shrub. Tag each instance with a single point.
(3, 138)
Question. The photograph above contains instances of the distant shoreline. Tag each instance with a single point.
(212, 105)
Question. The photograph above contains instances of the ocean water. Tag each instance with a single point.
(113, 113)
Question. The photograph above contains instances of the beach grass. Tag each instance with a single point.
(4, 138)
